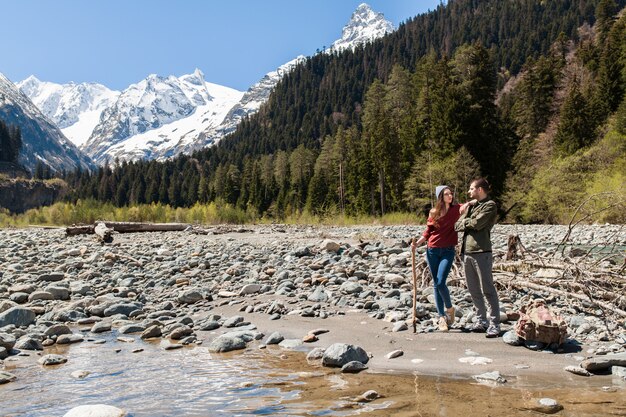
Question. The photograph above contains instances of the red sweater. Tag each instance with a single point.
(443, 235)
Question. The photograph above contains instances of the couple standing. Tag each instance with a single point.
(474, 219)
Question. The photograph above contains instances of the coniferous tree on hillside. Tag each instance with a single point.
(10, 142)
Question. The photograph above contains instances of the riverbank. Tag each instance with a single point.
(327, 285)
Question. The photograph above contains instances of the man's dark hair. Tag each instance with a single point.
(482, 183)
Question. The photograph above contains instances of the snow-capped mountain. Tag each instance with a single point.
(364, 25)
(248, 105)
(161, 117)
(42, 141)
(74, 108)
(157, 116)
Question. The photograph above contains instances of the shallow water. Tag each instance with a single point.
(193, 382)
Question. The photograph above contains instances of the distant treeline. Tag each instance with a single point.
(501, 89)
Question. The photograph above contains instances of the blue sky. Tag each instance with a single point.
(120, 42)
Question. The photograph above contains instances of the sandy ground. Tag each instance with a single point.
(435, 354)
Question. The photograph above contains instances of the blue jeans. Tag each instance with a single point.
(440, 262)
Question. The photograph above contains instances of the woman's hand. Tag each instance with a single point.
(465, 206)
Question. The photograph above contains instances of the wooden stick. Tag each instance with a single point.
(414, 285)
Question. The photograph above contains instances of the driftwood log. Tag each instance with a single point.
(126, 227)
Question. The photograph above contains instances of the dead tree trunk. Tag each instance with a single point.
(127, 227)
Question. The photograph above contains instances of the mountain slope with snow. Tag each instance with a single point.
(156, 117)
(42, 141)
(74, 108)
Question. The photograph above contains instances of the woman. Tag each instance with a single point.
(441, 240)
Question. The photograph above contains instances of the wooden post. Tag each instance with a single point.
(414, 285)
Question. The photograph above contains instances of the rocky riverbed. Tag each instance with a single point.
(342, 294)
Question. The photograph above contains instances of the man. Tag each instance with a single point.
(476, 224)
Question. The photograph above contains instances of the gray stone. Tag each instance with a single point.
(28, 343)
(100, 327)
(17, 316)
(181, 332)
(388, 303)
(57, 330)
(400, 326)
(190, 296)
(350, 287)
(58, 293)
(19, 297)
(395, 279)
(491, 377)
(353, 367)
(250, 289)
(232, 321)
(52, 359)
(120, 308)
(131, 328)
(4, 353)
(7, 341)
(96, 410)
(330, 245)
(209, 325)
(546, 406)
(226, 343)
(274, 339)
(319, 295)
(511, 338)
(338, 354)
(152, 331)
(66, 339)
(577, 370)
(604, 363)
(394, 354)
(315, 354)
(6, 304)
(51, 277)
(6, 377)
(290, 343)
(367, 396)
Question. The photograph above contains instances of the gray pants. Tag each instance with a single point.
(480, 285)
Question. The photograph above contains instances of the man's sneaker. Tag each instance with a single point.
(478, 327)
(493, 331)
(443, 324)
(450, 315)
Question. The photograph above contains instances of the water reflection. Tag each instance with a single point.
(193, 382)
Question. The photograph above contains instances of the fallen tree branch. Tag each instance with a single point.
(523, 284)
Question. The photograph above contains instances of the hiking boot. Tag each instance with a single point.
(443, 324)
(450, 313)
(493, 331)
(478, 327)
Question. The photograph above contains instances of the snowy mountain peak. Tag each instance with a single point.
(42, 140)
(74, 108)
(364, 25)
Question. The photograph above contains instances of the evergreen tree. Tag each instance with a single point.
(577, 125)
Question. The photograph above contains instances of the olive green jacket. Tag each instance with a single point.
(476, 224)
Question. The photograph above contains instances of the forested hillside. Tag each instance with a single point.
(518, 91)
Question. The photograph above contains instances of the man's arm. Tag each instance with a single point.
(485, 216)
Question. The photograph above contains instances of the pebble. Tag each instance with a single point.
(52, 359)
(490, 377)
(394, 354)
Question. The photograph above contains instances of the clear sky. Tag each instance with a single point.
(120, 42)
